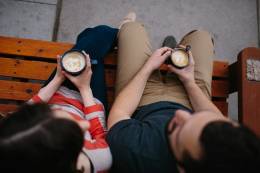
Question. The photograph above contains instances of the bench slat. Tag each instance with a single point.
(18, 90)
(32, 48)
(25, 68)
(219, 88)
(5, 108)
(220, 69)
(222, 106)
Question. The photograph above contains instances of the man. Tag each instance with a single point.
(171, 125)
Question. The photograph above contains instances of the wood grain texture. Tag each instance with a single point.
(18, 90)
(222, 106)
(5, 108)
(25, 68)
(248, 92)
(34, 48)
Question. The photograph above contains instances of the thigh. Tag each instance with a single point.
(172, 89)
(202, 48)
(133, 50)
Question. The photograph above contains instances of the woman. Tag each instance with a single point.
(62, 129)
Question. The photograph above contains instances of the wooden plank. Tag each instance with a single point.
(111, 58)
(42, 49)
(18, 90)
(25, 68)
(248, 91)
(110, 76)
(220, 69)
(222, 106)
(32, 48)
(110, 97)
(5, 108)
(219, 88)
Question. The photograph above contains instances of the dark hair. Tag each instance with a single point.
(226, 148)
(33, 140)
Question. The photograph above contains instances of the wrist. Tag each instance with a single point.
(87, 96)
(59, 79)
(189, 83)
(85, 90)
(147, 69)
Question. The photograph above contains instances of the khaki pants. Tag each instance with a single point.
(134, 49)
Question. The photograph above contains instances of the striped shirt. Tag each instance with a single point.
(95, 145)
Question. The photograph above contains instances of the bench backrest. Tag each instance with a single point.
(26, 63)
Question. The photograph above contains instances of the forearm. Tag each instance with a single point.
(87, 96)
(198, 99)
(128, 99)
(47, 92)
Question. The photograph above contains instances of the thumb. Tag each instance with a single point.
(166, 54)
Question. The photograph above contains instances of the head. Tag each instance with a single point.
(37, 139)
(209, 142)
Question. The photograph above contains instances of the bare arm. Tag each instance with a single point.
(197, 98)
(128, 99)
(47, 92)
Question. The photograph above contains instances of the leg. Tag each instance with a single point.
(134, 49)
(97, 42)
(172, 89)
(203, 52)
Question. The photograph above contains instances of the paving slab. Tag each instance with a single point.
(233, 23)
(27, 19)
(52, 2)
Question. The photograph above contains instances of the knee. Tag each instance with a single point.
(132, 26)
(201, 34)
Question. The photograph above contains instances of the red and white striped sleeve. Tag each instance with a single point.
(96, 117)
(35, 99)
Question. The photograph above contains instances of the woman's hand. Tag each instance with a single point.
(82, 81)
(59, 75)
(186, 75)
(158, 58)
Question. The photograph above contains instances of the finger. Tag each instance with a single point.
(167, 54)
(88, 61)
(165, 49)
(58, 59)
(191, 59)
(173, 69)
(181, 46)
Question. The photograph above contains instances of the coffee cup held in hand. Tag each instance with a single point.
(179, 57)
(73, 62)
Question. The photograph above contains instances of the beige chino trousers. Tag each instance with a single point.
(134, 49)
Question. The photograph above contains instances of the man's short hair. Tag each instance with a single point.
(226, 148)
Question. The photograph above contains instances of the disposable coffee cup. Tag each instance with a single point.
(179, 57)
(74, 62)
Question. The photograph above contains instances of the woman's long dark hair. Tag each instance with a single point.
(33, 140)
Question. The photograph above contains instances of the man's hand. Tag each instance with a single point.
(186, 75)
(158, 58)
(82, 81)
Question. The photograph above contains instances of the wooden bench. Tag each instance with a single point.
(26, 63)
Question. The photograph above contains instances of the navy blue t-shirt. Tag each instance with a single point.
(139, 144)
